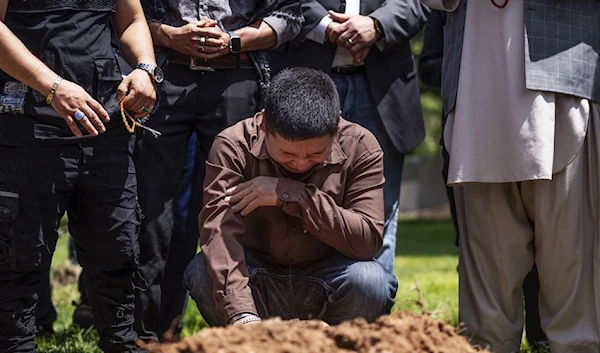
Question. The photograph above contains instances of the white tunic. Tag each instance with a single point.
(500, 131)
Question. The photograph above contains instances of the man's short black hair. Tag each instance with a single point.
(302, 104)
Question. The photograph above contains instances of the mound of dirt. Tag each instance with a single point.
(399, 333)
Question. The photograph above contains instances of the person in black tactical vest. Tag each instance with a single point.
(63, 148)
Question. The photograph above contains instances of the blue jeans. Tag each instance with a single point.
(359, 107)
(333, 290)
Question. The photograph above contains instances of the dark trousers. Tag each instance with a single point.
(334, 289)
(200, 101)
(45, 313)
(95, 184)
(174, 297)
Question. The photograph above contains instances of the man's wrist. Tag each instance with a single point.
(323, 27)
(164, 35)
(53, 89)
(379, 34)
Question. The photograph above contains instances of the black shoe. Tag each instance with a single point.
(45, 330)
(83, 316)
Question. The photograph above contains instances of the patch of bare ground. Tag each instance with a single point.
(397, 333)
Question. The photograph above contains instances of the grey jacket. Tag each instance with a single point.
(391, 73)
(562, 43)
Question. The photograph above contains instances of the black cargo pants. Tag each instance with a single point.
(204, 102)
(94, 183)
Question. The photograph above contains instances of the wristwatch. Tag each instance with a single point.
(154, 71)
(235, 47)
(235, 43)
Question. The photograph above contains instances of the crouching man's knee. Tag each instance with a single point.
(364, 289)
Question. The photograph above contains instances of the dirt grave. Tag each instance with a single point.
(398, 333)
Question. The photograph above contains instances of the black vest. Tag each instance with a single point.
(74, 38)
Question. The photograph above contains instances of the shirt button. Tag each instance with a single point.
(285, 195)
(294, 230)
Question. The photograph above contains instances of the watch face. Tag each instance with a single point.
(235, 44)
(158, 74)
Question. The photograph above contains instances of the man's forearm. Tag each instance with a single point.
(135, 38)
(352, 232)
(257, 36)
(159, 33)
(136, 45)
(400, 21)
(17, 61)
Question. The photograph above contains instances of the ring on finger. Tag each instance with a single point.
(349, 40)
(79, 115)
(144, 109)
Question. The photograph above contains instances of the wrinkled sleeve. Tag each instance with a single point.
(315, 16)
(155, 10)
(353, 228)
(220, 229)
(319, 33)
(443, 5)
(400, 21)
(286, 20)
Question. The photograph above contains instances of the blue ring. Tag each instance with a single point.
(79, 115)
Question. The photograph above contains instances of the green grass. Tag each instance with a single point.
(426, 259)
(426, 266)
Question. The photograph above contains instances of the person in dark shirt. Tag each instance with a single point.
(64, 148)
(215, 75)
(293, 213)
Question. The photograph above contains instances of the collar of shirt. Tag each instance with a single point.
(259, 149)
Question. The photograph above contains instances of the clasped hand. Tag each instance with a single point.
(355, 33)
(203, 39)
(250, 195)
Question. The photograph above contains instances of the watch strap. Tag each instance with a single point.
(149, 68)
(237, 60)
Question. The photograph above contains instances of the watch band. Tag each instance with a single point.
(236, 48)
(237, 60)
(152, 70)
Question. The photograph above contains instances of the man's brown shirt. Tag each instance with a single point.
(336, 206)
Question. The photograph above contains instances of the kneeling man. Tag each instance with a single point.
(293, 213)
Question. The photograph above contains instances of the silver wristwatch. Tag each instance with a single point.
(154, 71)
